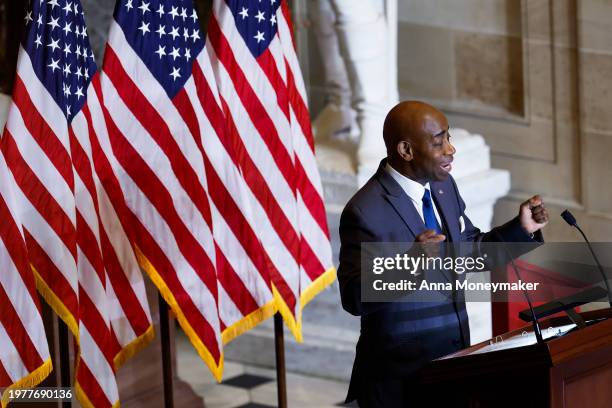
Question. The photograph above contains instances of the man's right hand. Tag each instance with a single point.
(429, 240)
(429, 236)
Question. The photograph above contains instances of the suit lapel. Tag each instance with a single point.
(404, 207)
(400, 201)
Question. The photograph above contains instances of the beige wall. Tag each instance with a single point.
(532, 76)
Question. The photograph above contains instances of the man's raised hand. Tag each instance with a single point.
(533, 215)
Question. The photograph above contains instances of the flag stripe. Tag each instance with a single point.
(226, 272)
(270, 68)
(258, 186)
(16, 281)
(157, 128)
(10, 359)
(223, 199)
(236, 222)
(242, 298)
(300, 109)
(94, 361)
(41, 133)
(13, 326)
(88, 383)
(134, 305)
(233, 230)
(97, 327)
(41, 99)
(156, 192)
(254, 108)
(5, 378)
(309, 182)
(248, 63)
(30, 155)
(286, 19)
(157, 99)
(137, 310)
(165, 182)
(52, 275)
(145, 241)
(243, 138)
(279, 222)
(15, 248)
(312, 198)
(88, 246)
(134, 311)
(38, 195)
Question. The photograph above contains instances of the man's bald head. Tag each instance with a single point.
(405, 122)
(417, 141)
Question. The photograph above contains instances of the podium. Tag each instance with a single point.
(573, 370)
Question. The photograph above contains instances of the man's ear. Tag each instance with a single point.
(404, 150)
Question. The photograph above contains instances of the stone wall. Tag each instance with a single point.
(531, 76)
(446, 39)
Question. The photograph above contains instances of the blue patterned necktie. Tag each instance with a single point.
(431, 222)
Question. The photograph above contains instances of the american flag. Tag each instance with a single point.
(188, 203)
(264, 101)
(24, 356)
(77, 242)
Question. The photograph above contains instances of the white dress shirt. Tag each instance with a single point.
(414, 190)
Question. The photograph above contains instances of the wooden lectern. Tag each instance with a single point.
(574, 370)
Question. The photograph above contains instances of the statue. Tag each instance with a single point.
(357, 40)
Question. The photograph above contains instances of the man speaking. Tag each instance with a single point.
(411, 198)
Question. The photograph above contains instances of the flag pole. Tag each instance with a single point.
(279, 345)
(64, 358)
(164, 328)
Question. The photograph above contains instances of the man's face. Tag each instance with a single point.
(432, 150)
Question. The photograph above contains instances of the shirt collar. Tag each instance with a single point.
(413, 189)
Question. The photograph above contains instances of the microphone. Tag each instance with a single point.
(534, 318)
(571, 220)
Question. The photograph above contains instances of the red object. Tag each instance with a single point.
(552, 286)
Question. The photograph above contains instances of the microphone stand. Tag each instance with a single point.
(534, 319)
(569, 218)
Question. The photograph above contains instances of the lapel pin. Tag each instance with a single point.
(440, 192)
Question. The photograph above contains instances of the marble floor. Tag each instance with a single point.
(252, 386)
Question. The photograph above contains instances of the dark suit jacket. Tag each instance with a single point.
(399, 338)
